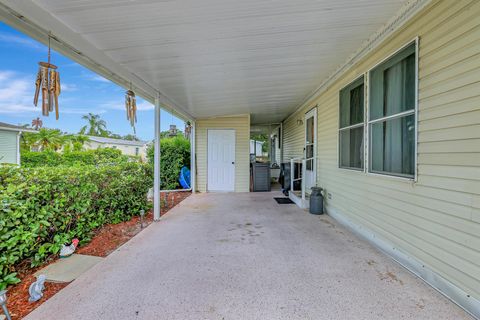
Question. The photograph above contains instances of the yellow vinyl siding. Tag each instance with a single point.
(241, 124)
(293, 137)
(436, 219)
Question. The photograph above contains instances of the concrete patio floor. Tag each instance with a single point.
(243, 256)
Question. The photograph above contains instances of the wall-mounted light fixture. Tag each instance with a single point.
(299, 122)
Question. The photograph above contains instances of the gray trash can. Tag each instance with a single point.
(316, 201)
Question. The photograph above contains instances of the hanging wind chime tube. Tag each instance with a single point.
(48, 82)
(131, 108)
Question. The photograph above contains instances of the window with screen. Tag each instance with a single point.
(392, 118)
(351, 128)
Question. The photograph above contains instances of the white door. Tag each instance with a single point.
(221, 160)
(310, 149)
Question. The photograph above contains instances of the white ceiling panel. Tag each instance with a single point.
(220, 57)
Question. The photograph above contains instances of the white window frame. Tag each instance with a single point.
(414, 112)
(363, 123)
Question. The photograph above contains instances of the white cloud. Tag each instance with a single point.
(68, 87)
(73, 110)
(16, 93)
(96, 77)
(144, 106)
(18, 40)
(119, 105)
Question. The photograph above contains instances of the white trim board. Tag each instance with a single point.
(415, 266)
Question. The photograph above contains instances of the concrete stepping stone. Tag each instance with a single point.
(68, 269)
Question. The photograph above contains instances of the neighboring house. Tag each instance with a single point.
(127, 147)
(10, 142)
(391, 134)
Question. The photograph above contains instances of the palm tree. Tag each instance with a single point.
(37, 123)
(80, 138)
(49, 139)
(130, 137)
(27, 140)
(95, 126)
(75, 141)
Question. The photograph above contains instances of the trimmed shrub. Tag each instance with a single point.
(44, 207)
(88, 157)
(44, 158)
(175, 153)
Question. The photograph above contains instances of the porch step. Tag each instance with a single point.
(68, 269)
(296, 196)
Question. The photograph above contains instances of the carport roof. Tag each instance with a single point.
(212, 57)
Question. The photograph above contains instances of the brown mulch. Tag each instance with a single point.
(105, 240)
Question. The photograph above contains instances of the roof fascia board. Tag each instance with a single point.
(120, 142)
(18, 129)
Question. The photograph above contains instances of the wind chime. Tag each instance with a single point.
(131, 107)
(48, 81)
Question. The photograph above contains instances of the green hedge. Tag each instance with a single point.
(42, 208)
(88, 157)
(175, 153)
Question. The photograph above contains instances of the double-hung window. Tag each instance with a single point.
(351, 128)
(391, 116)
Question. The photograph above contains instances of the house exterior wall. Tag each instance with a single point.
(125, 149)
(435, 220)
(9, 147)
(241, 124)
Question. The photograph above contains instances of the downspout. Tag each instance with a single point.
(18, 147)
(156, 162)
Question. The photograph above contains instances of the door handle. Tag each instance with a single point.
(233, 162)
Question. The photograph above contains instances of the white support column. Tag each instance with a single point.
(156, 163)
(193, 155)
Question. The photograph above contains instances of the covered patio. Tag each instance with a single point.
(243, 256)
(374, 101)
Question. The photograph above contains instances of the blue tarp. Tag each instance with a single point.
(184, 178)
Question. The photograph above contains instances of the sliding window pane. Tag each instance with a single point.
(399, 87)
(393, 146)
(392, 85)
(351, 105)
(351, 148)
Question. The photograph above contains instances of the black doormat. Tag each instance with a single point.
(283, 200)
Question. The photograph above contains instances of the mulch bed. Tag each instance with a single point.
(105, 240)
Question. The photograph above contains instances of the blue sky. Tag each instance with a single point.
(82, 91)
